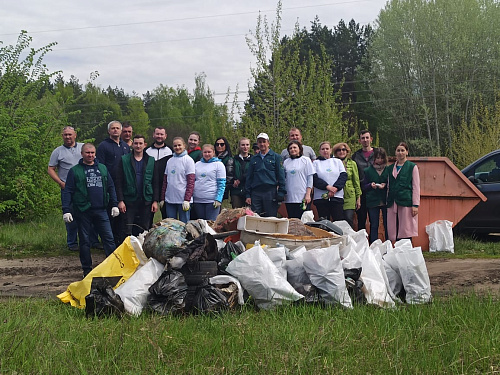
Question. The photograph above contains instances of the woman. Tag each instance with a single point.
(403, 196)
(374, 187)
(299, 173)
(178, 182)
(352, 188)
(223, 152)
(241, 162)
(209, 184)
(328, 180)
(194, 149)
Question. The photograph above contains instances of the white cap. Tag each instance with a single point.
(263, 135)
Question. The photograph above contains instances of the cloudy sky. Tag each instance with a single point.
(136, 45)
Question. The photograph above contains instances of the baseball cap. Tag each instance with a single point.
(263, 135)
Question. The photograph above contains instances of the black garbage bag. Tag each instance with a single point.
(203, 248)
(354, 285)
(227, 254)
(168, 293)
(102, 300)
(309, 292)
(209, 299)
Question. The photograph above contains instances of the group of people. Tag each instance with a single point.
(115, 190)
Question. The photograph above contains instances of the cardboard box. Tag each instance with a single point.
(263, 224)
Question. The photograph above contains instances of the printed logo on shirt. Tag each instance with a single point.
(293, 171)
(203, 175)
(94, 178)
(329, 170)
(172, 171)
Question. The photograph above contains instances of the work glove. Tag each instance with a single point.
(185, 206)
(68, 218)
(217, 204)
(115, 212)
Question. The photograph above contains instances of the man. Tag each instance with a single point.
(159, 149)
(89, 189)
(161, 153)
(137, 188)
(126, 135)
(363, 158)
(265, 185)
(62, 159)
(109, 153)
(295, 135)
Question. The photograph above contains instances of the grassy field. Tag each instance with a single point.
(459, 335)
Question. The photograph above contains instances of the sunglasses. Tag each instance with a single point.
(341, 149)
(220, 144)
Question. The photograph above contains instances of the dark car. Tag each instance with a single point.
(484, 173)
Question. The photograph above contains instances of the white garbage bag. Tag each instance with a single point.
(260, 277)
(278, 257)
(414, 274)
(324, 268)
(134, 292)
(226, 279)
(372, 275)
(440, 236)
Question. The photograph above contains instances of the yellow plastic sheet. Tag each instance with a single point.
(121, 264)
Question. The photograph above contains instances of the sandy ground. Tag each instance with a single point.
(47, 277)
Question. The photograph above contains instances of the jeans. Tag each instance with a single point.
(99, 218)
(362, 213)
(265, 203)
(374, 215)
(206, 211)
(349, 217)
(175, 211)
(137, 217)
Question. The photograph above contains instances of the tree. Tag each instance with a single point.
(430, 61)
(30, 124)
(290, 89)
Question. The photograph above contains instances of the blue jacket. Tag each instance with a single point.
(266, 173)
(110, 153)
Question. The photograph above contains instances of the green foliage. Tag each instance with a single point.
(137, 116)
(30, 122)
(430, 60)
(291, 90)
(479, 136)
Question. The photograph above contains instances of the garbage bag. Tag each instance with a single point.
(414, 274)
(278, 257)
(226, 279)
(298, 278)
(102, 300)
(134, 292)
(440, 236)
(354, 285)
(227, 254)
(166, 240)
(118, 267)
(324, 268)
(260, 277)
(209, 299)
(168, 293)
(376, 292)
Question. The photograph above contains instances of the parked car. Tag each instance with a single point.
(484, 173)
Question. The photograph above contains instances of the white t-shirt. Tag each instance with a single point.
(177, 169)
(328, 170)
(298, 177)
(205, 186)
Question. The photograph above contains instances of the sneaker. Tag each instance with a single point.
(74, 248)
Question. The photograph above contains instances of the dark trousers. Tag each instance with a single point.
(295, 211)
(72, 233)
(100, 220)
(374, 214)
(238, 201)
(362, 213)
(137, 218)
(265, 203)
(206, 211)
(331, 209)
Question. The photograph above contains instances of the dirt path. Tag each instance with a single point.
(47, 277)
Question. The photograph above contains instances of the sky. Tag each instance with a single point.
(138, 45)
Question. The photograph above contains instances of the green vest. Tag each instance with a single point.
(400, 188)
(240, 168)
(81, 195)
(376, 197)
(130, 188)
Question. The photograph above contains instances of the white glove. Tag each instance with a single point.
(160, 204)
(217, 204)
(115, 212)
(185, 206)
(68, 218)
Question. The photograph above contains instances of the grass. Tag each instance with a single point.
(458, 335)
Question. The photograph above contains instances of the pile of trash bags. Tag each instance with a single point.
(182, 268)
